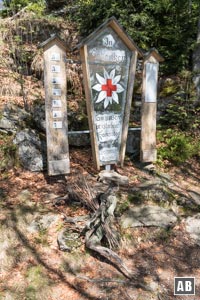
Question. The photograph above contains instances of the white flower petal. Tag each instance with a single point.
(112, 74)
(110, 100)
(116, 79)
(100, 79)
(106, 102)
(106, 76)
(115, 97)
(97, 87)
(102, 95)
(119, 88)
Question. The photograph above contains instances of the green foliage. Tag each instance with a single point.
(181, 114)
(122, 207)
(11, 7)
(42, 237)
(169, 88)
(177, 147)
(38, 283)
(170, 26)
(38, 7)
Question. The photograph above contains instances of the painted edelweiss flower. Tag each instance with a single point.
(108, 88)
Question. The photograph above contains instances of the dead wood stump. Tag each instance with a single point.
(101, 230)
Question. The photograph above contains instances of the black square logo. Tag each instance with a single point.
(184, 286)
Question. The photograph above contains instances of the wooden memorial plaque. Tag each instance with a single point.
(55, 106)
(109, 61)
(148, 152)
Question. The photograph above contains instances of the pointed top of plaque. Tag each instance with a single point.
(54, 38)
(114, 24)
(153, 52)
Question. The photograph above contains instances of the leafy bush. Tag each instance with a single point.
(11, 7)
(159, 24)
(177, 147)
(38, 8)
(181, 114)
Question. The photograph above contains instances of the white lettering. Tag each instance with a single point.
(109, 154)
(188, 286)
(180, 287)
(108, 127)
(108, 41)
(108, 55)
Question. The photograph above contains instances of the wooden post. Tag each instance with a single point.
(55, 106)
(93, 137)
(109, 59)
(148, 152)
(128, 107)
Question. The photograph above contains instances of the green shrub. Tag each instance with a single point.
(12, 7)
(38, 8)
(177, 147)
(181, 114)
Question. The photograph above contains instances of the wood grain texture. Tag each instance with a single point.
(128, 106)
(86, 76)
(56, 127)
(148, 151)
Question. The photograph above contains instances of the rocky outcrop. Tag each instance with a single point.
(148, 215)
(31, 150)
(193, 227)
(42, 222)
(13, 118)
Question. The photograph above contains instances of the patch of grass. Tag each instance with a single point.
(30, 293)
(122, 207)
(42, 237)
(177, 147)
(127, 235)
(38, 284)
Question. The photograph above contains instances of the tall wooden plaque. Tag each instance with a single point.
(109, 59)
(55, 106)
(148, 152)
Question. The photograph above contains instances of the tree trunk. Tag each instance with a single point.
(196, 64)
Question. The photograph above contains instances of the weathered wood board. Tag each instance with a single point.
(56, 107)
(109, 62)
(148, 133)
(148, 152)
(151, 79)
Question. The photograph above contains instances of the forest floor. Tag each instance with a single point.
(33, 267)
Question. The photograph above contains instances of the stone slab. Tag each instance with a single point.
(148, 215)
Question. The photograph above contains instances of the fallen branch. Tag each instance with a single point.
(101, 225)
(112, 257)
